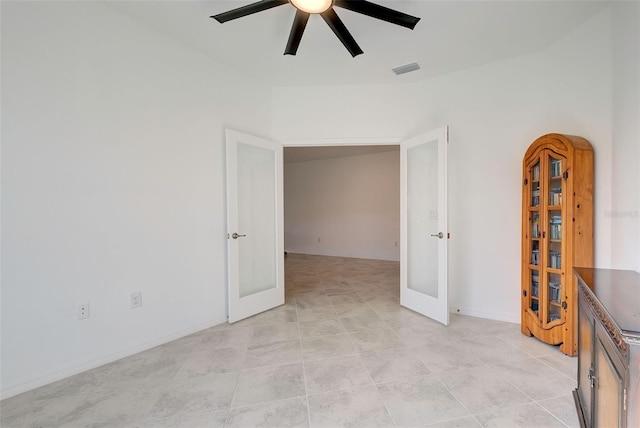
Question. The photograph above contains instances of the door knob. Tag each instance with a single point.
(236, 236)
(439, 235)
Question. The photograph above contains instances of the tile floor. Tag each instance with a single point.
(340, 353)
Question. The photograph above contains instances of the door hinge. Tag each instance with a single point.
(624, 399)
(526, 181)
(565, 175)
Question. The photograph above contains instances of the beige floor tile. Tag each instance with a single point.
(276, 414)
(335, 373)
(361, 407)
(265, 384)
(316, 348)
(393, 364)
(524, 416)
(340, 352)
(481, 390)
(421, 400)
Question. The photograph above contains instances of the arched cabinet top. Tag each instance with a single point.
(562, 144)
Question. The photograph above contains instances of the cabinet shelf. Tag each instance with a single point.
(557, 233)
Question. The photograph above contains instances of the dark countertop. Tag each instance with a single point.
(618, 292)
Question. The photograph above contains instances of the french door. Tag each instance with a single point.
(256, 228)
(255, 234)
(423, 228)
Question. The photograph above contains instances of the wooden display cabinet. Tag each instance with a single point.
(557, 235)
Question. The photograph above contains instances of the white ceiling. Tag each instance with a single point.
(451, 36)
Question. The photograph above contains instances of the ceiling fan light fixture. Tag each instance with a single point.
(312, 6)
(324, 8)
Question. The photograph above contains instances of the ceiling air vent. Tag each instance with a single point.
(406, 68)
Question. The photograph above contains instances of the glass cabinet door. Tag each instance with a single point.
(545, 275)
(535, 234)
(554, 281)
(535, 291)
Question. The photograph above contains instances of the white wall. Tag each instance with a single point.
(113, 173)
(625, 209)
(494, 112)
(112, 182)
(347, 207)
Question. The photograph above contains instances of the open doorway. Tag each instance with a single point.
(343, 201)
(422, 192)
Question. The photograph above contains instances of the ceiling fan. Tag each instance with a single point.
(304, 8)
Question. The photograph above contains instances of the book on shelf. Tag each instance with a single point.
(554, 292)
(535, 197)
(535, 257)
(556, 167)
(535, 225)
(535, 172)
(555, 229)
(555, 196)
(535, 282)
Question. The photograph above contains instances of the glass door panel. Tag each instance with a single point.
(555, 182)
(535, 252)
(535, 225)
(423, 224)
(257, 218)
(535, 185)
(553, 281)
(535, 291)
(554, 259)
(422, 219)
(255, 253)
(554, 296)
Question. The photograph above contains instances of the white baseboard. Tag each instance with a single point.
(486, 315)
(100, 360)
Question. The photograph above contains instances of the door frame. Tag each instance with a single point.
(337, 142)
(368, 141)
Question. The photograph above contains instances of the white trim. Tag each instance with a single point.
(486, 315)
(100, 360)
(362, 141)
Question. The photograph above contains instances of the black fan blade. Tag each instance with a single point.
(247, 10)
(334, 22)
(380, 12)
(299, 24)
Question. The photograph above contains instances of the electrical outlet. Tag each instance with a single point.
(83, 311)
(136, 300)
